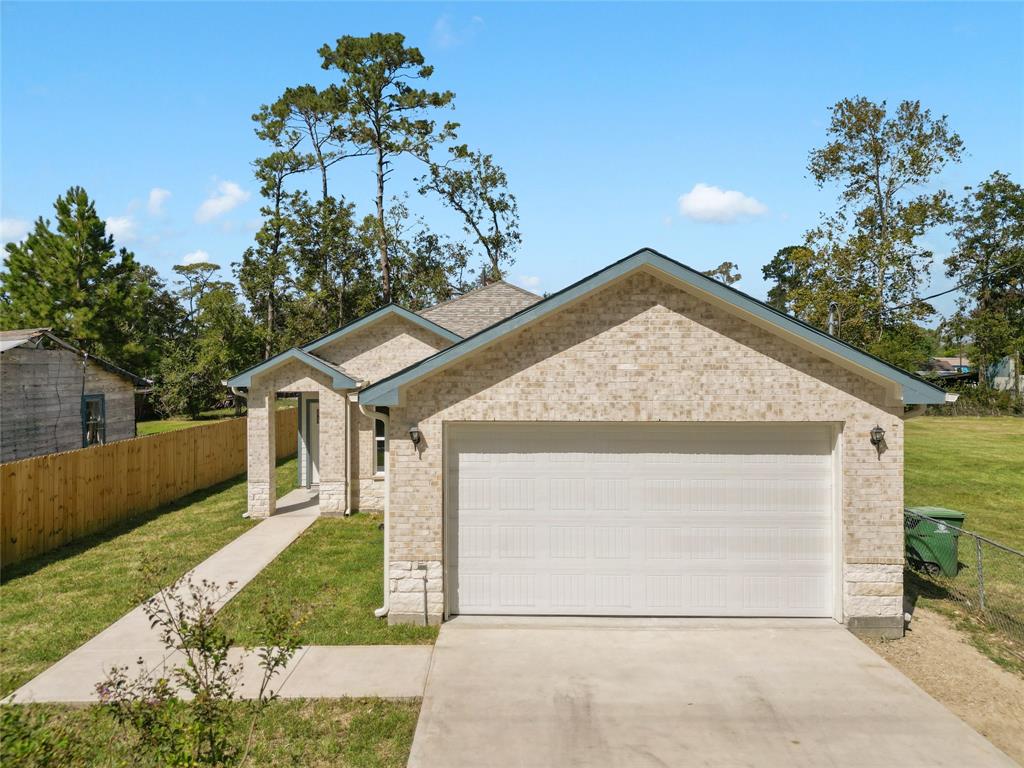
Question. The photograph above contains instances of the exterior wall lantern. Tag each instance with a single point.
(877, 438)
(416, 436)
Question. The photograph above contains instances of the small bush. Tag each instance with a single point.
(31, 738)
(980, 401)
(205, 730)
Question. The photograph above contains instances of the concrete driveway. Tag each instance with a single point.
(596, 692)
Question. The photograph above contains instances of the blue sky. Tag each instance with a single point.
(603, 115)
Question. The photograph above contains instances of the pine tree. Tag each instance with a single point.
(73, 278)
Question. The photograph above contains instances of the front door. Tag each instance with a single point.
(313, 441)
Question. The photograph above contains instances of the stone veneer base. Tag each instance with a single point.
(876, 627)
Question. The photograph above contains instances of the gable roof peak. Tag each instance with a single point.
(914, 390)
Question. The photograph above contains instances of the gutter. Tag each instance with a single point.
(383, 611)
(921, 408)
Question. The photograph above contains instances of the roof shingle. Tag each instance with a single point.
(482, 307)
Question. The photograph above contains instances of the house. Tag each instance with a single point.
(612, 449)
(1003, 375)
(55, 397)
(958, 364)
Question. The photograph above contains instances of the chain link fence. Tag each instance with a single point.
(982, 577)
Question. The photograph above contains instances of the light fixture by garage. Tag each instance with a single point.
(877, 438)
(415, 435)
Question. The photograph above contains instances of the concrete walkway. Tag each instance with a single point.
(130, 637)
(316, 671)
(605, 692)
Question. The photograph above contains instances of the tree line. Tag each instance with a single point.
(867, 263)
(319, 261)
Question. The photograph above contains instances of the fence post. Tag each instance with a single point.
(981, 574)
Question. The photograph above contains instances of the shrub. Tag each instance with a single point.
(980, 401)
(31, 738)
(204, 729)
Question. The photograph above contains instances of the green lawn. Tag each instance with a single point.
(53, 603)
(342, 733)
(975, 465)
(332, 575)
(159, 426)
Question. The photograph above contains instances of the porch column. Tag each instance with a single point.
(261, 450)
(333, 426)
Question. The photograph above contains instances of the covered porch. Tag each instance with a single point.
(324, 451)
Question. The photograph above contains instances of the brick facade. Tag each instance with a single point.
(366, 355)
(644, 349)
(369, 354)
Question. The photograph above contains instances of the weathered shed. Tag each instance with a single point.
(55, 397)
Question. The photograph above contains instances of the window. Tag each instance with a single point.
(380, 444)
(94, 420)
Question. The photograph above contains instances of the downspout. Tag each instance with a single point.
(915, 411)
(381, 612)
(354, 398)
(243, 393)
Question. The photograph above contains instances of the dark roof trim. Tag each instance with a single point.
(380, 314)
(914, 390)
(339, 379)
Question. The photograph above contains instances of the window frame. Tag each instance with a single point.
(380, 448)
(102, 427)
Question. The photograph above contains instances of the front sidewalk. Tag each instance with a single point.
(130, 638)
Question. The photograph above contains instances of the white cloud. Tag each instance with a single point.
(447, 34)
(157, 198)
(195, 257)
(707, 203)
(228, 196)
(13, 230)
(121, 228)
(529, 282)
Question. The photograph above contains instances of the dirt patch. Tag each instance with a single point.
(987, 697)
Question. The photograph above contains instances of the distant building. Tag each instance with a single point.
(957, 364)
(55, 397)
(1003, 375)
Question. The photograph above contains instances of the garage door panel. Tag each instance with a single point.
(681, 520)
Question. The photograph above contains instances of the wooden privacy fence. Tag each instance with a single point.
(47, 501)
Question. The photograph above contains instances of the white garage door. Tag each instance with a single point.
(644, 520)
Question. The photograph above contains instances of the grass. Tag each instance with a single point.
(159, 426)
(51, 604)
(332, 575)
(356, 733)
(974, 465)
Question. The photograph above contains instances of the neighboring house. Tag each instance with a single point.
(1003, 375)
(54, 397)
(946, 367)
(958, 364)
(612, 449)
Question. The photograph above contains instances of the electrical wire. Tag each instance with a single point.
(954, 288)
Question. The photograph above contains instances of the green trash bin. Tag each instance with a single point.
(933, 546)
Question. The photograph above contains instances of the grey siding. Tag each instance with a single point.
(41, 401)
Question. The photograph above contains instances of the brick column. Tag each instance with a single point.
(261, 449)
(333, 423)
